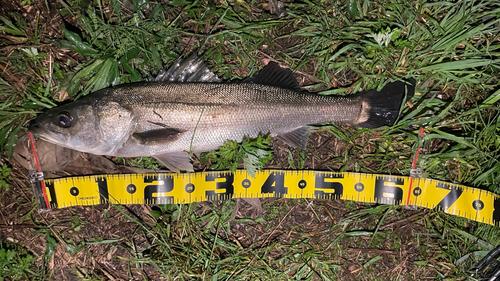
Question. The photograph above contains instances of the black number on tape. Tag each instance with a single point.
(328, 189)
(164, 185)
(102, 183)
(275, 183)
(387, 191)
(227, 186)
(496, 211)
(52, 192)
(451, 197)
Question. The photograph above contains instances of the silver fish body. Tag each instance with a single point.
(169, 120)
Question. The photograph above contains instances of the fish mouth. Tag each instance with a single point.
(43, 133)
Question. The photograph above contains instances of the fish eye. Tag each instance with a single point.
(64, 119)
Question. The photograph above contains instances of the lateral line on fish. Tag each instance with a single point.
(194, 131)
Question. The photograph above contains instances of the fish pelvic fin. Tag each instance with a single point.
(176, 161)
(297, 137)
(382, 108)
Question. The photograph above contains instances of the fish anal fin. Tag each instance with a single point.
(176, 161)
(297, 137)
(157, 136)
(273, 75)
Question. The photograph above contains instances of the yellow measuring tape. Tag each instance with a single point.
(167, 188)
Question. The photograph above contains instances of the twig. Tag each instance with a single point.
(309, 205)
(279, 224)
(403, 221)
(372, 251)
(19, 226)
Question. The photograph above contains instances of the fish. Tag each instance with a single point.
(176, 115)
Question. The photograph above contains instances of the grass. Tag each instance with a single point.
(16, 262)
(451, 48)
(4, 177)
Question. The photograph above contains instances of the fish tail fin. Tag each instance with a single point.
(382, 107)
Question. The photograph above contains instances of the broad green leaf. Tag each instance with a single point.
(352, 8)
(83, 48)
(129, 56)
(3, 136)
(74, 86)
(12, 139)
(50, 248)
(156, 11)
(89, 70)
(106, 76)
(134, 74)
(155, 56)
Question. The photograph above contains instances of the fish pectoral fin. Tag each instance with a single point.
(297, 137)
(158, 136)
(273, 75)
(176, 161)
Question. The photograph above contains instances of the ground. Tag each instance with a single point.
(304, 239)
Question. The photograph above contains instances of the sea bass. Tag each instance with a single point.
(170, 120)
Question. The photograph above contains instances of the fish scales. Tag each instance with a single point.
(212, 113)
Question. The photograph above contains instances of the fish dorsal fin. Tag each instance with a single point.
(297, 137)
(273, 75)
(191, 69)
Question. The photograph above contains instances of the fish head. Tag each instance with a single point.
(99, 127)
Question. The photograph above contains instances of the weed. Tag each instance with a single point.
(144, 163)
(4, 177)
(254, 153)
(16, 262)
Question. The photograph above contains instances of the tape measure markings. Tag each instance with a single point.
(455, 199)
(480, 205)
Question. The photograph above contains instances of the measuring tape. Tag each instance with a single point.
(170, 188)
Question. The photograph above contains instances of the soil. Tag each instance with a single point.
(315, 220)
